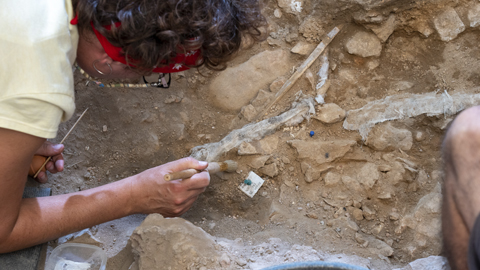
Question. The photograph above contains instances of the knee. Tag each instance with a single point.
(464, 131)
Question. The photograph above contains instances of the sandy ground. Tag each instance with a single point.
(386, 187)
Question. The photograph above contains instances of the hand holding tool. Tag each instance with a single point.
(213, 167)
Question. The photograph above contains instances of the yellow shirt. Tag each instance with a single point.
(38, 47)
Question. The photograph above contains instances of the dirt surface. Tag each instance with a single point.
(384, 187)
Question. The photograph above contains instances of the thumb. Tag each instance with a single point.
(50, 149)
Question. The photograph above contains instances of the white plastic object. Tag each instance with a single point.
(75, 256)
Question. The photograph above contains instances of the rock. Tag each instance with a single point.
(246, 149)
(263, 98)
(378, 229)
(311, 174)
(303, 48)
(379, 247)
(402, 85)
(291, 6)
(332, 179)
(368, 213)
(419, 136)
(352, 183)
(368, 175)
(258, 162)
(241, 261)
(352, 225)
(249, 112)
(277, 13)
(357, 214)
(474, 15)
(277, 84)
(360, 238)
(330, 113)
(428, 263)
(364, 44)
(394, 216)
(269, 144)
(270, 170)
(234, 87)
(422, 178)
(179, 241)
(448, 24)
(322, 151)
(285, 160)
(384, 31)
(385, 137)
(172, 99)
(422, 27)
(224, 260)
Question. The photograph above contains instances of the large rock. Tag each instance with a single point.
(174, 243)
(368, 175)
(322, 151)
(330, 113)
(364, 44)
(474, 15)
(429, 263)
(236, 86)
(386, 137)
(384, 31)
(448, 24)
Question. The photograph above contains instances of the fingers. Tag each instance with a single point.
(42, 177)
(197, 181)
(186, 163)
(49, 149)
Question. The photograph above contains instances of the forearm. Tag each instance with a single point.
(47, 218)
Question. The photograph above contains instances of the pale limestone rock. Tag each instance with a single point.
(178, 240)
(428, 263)
(303, 48)
(259, 162)
(402, 85)
(368, 213)
(249, 112)
(277, 84)
(385, 137)
(419, 136)
(269, 144)
(386, 29)
(364, 44)
(263, 98)
(322, 151)
(234, 87)
(270, 170)
(368, 175)
(330, 113)
(332, 179)
(448, 24)
(352, 183)
(246, 149)
(277, 13)
(474, 15)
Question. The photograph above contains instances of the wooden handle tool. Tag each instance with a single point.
(35, 168)
(213, 167)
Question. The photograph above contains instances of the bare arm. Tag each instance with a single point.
(27, 222)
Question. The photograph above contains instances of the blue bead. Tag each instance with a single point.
(247, 182)
(312, 133)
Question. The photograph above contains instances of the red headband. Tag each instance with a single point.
(115, 53)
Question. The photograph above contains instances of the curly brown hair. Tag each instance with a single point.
(152, 31)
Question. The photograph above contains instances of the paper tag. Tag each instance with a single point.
(250, 190)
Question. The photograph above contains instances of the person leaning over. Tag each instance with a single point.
(39, 43)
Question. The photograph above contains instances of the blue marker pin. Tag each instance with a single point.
(312, 133)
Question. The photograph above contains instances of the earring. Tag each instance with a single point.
(102, 73)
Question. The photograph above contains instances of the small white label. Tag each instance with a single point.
(252, 189)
